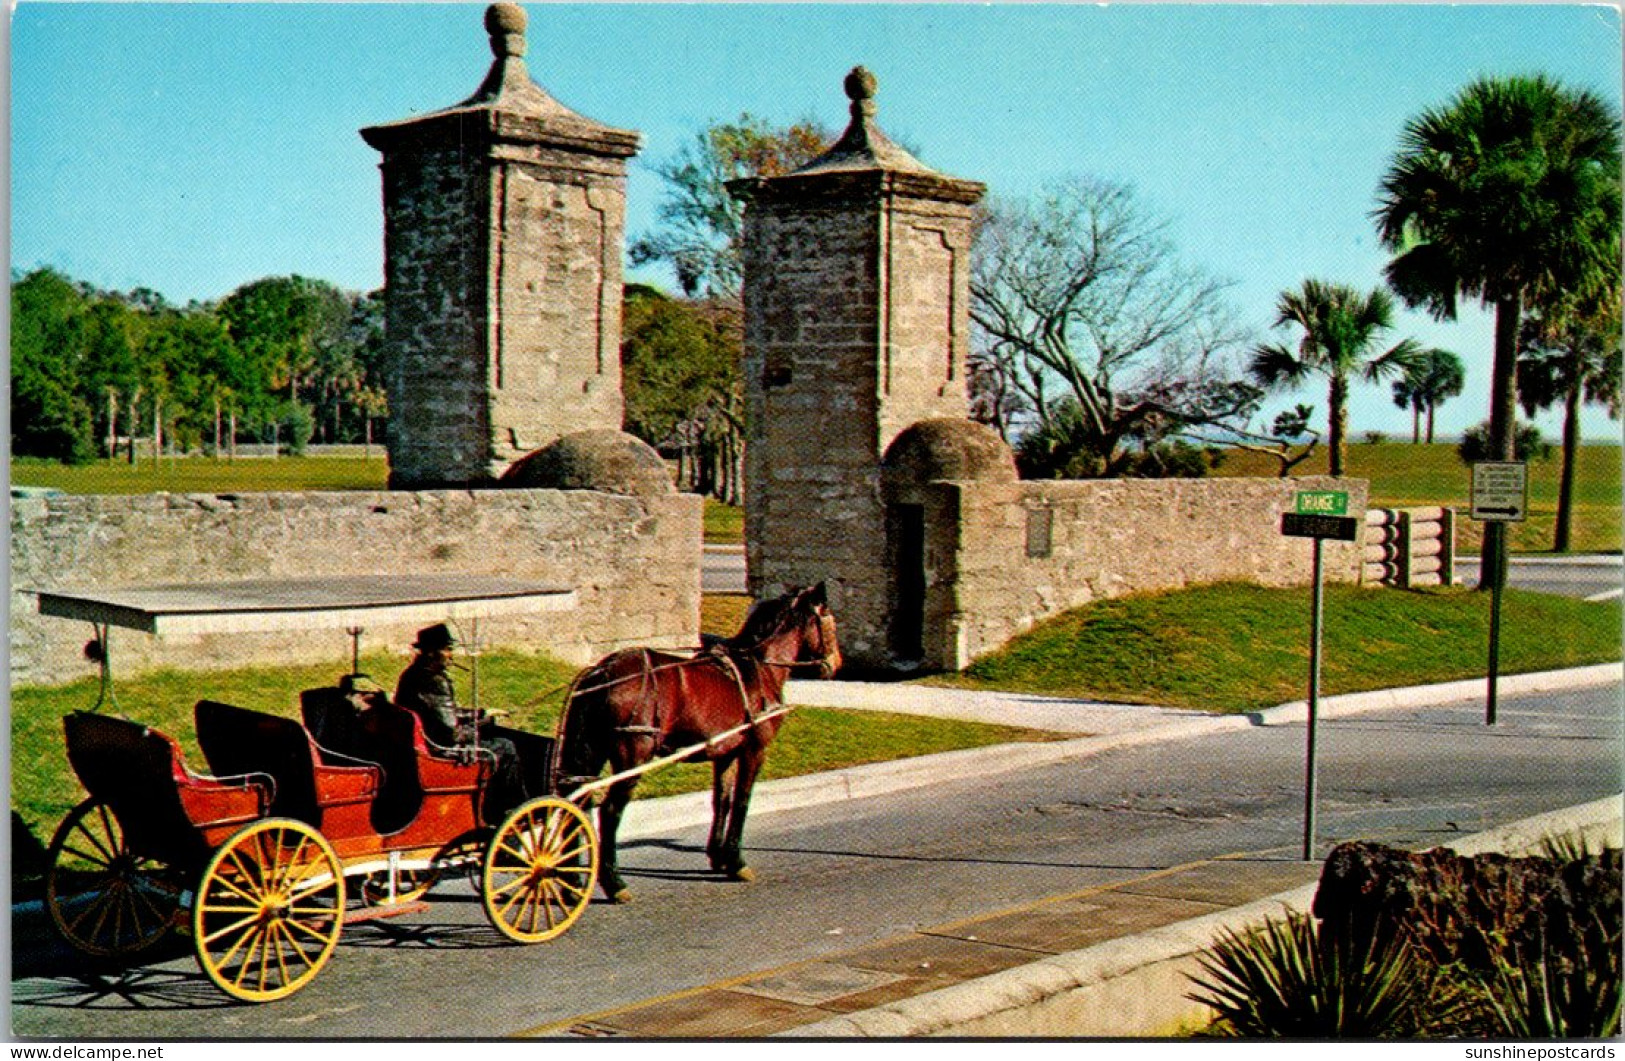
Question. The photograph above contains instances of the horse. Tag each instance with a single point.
(638, 703)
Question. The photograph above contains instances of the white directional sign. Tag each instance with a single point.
(1500, 491)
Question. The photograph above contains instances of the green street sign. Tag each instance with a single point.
(1321, 502)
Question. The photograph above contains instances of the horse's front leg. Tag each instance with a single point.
(609, 823)
(733, 859)
(723, 772)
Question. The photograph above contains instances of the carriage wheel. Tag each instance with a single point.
(104, 898)
(540, 869)
(269, 910)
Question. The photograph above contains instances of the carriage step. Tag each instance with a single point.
(374, 913)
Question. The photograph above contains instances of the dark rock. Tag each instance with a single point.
(1474, 909)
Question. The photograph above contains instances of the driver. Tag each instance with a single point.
(425, 688)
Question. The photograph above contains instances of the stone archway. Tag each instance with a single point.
(922, 476)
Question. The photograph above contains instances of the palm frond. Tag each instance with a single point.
(1273, 364)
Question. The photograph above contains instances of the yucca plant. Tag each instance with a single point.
(1295, 978)
(1548, 995)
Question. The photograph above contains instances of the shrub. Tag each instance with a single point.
(1475, 444)
(1545, 994)
(1296, 978)
(298, 426)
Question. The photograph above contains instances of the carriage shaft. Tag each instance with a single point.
(581, 792)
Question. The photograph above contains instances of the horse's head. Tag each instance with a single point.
(797, 628)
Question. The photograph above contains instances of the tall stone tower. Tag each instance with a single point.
(504, 218)
(857, 293)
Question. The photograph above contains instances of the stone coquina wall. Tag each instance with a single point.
(1002, 556)
(633, 562)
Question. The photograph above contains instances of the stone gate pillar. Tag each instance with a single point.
(504, 219)
(857, 292)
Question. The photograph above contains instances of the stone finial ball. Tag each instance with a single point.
(505, 18)
(506, 25)
(860, 85)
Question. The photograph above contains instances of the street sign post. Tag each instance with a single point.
(1319, 515)
(1500, 496)
(1321, 502)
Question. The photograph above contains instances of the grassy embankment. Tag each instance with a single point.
(1407, 476)
(1235, 647)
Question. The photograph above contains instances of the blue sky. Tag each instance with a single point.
(191, 148)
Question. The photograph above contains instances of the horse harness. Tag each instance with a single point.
(713, 653)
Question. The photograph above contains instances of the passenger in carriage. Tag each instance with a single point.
(426, 689)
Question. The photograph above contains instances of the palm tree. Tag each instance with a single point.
(1439, 376)
(1568, 359)
(1341, 327)
(1511, 195)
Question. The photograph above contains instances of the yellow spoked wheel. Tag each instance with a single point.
(410, 885)
(540, 869)
(104, 898)
(269, 910)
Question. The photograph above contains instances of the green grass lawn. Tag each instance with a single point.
(43, 787)
(1407, 476)
(1235, 647)
(205, 475)
(724, 524)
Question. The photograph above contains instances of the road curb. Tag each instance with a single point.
(653, 817)
(1135, 986)
(1582, 560)
(1442, 693)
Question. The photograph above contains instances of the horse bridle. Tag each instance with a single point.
(826, 620)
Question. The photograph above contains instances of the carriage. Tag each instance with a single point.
(298, 827)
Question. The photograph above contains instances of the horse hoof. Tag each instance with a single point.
(744, 873)
(622, 897)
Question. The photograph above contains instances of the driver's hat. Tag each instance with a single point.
(433, 638)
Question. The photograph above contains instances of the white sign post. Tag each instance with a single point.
(1500, 496)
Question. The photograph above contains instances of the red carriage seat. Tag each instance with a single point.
(167, 812)
(433, 790)
(331, 798)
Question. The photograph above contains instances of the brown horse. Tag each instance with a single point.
(637, 704)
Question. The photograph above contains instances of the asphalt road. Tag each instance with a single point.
(834, 877)
(1589, 577)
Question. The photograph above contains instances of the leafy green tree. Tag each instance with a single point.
(1342, 329)
(1510, 194)
(1570, 360)
(110, 377)
(48, 341)
(700, 221)
(1437, 377)
(683, 386)
(283, 325)
(197, 364)
(1092, 335)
